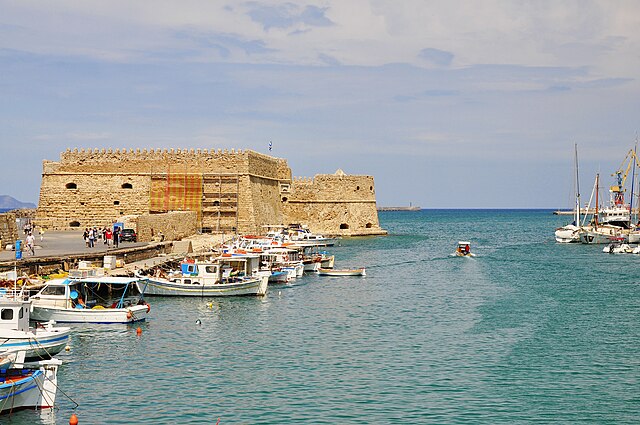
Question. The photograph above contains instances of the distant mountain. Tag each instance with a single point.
(9, 203)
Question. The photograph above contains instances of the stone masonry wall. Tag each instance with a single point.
(335, 204)
(8, 229)
(241, 190)
(174, 225)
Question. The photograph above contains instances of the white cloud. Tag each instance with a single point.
(357, 32)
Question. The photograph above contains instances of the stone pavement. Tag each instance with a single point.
(60, 243)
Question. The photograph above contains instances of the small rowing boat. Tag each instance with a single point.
(342, 272)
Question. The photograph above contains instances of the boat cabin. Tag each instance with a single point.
(464, 247)
(14, 315)
(99, 292)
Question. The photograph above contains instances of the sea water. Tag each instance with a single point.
(528, 331)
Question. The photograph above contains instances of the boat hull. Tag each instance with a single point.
(41, 344)
(36, 389)
(134, 313)
(336, 272)
(599, 237)
(568, 234)
(162, 287)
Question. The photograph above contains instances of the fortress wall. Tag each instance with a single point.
(174, 225)
(152, 161)
(90, 199)
(8, 229)
(332, 186)
(266, 204)
(240, 189)
(335, 204)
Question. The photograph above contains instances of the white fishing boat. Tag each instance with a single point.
(342, 272)
(90, 300)
(464, 250)
(28, 385)
(228, 275)
(40, 342)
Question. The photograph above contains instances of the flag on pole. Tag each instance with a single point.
(270, 145)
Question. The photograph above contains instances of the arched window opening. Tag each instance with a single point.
(116, 202)
(368, 225)
(71, 186)
(285, 199)
(74, 224)
(127, 186)
(357, 187)
(216, 203)
(344, 226)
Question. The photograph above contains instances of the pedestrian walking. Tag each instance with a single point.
(116, 236)
(92, 237)
(108, 235)
(41, 234)
(85, 236)
(31, 244)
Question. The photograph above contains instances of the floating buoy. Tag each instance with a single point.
(198, 322)
(210, 305)
(67, 348)
(73, 420)
(139, 331)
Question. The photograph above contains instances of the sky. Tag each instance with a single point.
(448, 104)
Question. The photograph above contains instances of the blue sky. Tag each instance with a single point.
(448, 104)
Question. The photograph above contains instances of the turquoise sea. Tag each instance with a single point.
(529, 331)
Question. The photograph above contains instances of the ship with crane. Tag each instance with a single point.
(613, 222)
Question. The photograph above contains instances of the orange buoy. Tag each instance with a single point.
(73, 420)
(139, 331)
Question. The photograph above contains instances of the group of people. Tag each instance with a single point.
(109, 237)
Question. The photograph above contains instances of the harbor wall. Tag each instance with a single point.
(8, 229)
(230, 191)
(173, 225)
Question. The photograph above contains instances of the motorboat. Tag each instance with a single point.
(342, 272)
(42, 341)
(618, 247)
(464, 249)
(103, 299)
(300, 235)
(27, 385)
(228, 275)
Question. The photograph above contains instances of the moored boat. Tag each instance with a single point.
(29, 385)
(40, 342)
(90, 300)
(225, 276)
(342, 272)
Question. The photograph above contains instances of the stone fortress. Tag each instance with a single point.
(200, 190)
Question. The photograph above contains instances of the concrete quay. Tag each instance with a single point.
(63, 250)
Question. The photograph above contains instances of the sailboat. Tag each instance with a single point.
(571, 232)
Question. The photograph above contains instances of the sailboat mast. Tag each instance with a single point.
(577, 187)
(597, 207)
(633, 180)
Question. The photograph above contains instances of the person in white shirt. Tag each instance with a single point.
(31, 244)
